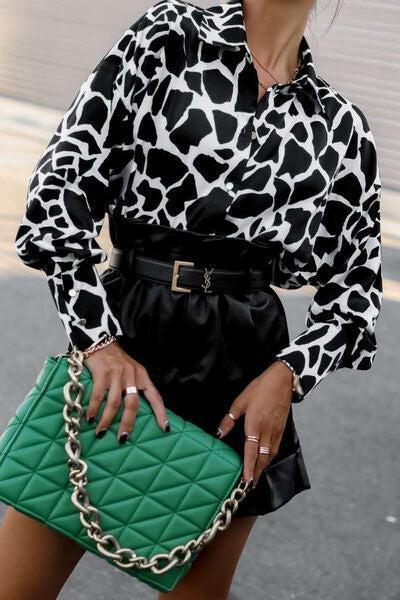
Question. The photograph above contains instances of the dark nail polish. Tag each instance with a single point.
(101, 433)
(123, 437)
(251, 483)
(90, 419)
(167, 427)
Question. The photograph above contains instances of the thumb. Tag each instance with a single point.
(231, 416)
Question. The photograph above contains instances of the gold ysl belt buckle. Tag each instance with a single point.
(115, 258)
(207, 280)
(175, 275)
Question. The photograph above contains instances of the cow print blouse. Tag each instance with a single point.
(168, 128)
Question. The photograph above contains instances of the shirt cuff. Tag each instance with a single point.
(81, 302)
(306, 353)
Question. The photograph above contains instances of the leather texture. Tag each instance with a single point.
(194, 276)
(156, 491)
(202, 350)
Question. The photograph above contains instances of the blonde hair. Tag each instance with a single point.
(338, 8)
(339, 5)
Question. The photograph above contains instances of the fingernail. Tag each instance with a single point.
(90, 419)
(167, 427)
(123, 437)
(101, 433)
(251, 481)
(219, 432)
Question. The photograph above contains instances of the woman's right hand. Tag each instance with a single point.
(113, 369)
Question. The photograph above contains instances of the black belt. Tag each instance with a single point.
(184, 276)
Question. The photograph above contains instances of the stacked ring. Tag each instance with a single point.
(264, 450)
(252, 438)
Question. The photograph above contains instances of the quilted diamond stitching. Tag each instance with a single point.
(153, 493)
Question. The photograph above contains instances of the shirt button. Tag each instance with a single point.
(253, 135)
(72, 292)
(229, 185)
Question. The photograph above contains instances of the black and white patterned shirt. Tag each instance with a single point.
(168, 129)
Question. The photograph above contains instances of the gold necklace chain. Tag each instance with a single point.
(272, 75)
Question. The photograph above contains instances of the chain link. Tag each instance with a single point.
(107, 545)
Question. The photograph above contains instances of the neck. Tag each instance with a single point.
(274, 29)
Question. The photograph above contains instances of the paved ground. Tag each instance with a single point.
(338, 541)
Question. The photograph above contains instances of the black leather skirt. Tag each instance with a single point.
(200, 349)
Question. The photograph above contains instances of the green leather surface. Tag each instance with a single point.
(165, 486)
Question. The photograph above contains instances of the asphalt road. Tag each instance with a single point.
(338, 541)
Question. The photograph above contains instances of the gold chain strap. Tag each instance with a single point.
(107, 544)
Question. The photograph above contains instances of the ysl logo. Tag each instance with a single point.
(207, 280)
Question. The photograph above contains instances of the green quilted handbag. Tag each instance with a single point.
(164, 494)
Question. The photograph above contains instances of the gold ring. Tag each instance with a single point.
(232, 416)
(252, 438)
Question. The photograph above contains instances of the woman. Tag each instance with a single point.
(208, 138)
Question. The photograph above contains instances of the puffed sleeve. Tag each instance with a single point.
(341, 318)
(68, 190)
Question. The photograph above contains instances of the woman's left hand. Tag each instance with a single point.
(265, 402)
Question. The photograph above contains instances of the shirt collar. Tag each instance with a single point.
(223, 24)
